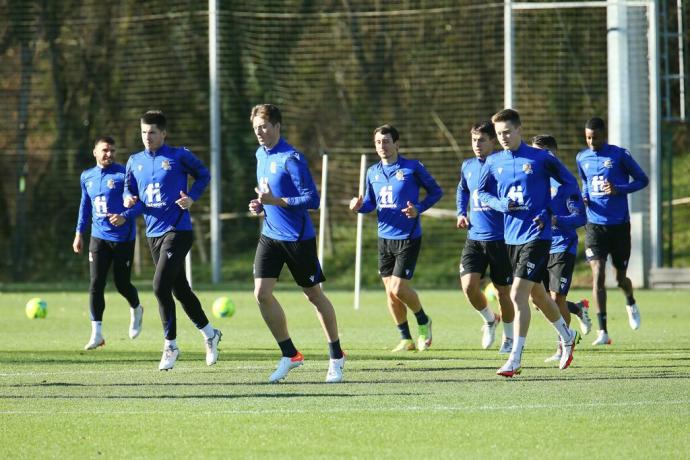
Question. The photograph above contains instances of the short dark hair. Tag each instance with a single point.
(107, 139)
(388, 129)
(595, 124)
(507, 115)
(155, 117)
(268, 111)
(484, 127)
(545, 141)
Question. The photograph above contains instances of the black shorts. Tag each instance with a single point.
(477, 255)
(300, 257)
(529, 260)
(560, 272)
(602, 240)
(398, 257)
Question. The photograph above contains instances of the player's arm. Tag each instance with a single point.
(130, 195)
(433, 190)
(308, 196)
(486, 179)
(585, 185)
(195, 168)
(369, 200)
(640, 179)
(576, 216)
(462, 198)
(83, 218)
(558, 171)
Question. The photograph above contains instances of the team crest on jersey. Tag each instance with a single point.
(527, 168)
(608, 163)
(89, 184)
(274, 167)
(399, 174)
(140, 167)
(111, 184)
(165, 164)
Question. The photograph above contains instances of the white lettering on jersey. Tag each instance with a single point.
(597, 185)
(153, 195)
(99, 206)
(515, 194)
(386, 194)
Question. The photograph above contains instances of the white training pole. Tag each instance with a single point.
(322, 206)
(215, 128)
(358, 244)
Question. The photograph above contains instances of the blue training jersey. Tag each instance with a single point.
(390, 187)
(157, 178)
(286, 172)
(615, 165)
(522, 177)
(486, 224)
(101, 194)
(569, 210)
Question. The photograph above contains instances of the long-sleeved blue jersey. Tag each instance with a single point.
(390, 187)
(101, 194)
(522, 177)
(486, 224)
(568, 208)
(286, 172)
(610, 164)
(157, 178)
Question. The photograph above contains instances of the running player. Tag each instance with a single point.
(484, 246)
(285, 193)
(568, 215)
(113, 231)
(605, 170)
(156, 183)
(522, 177)
(392, 188)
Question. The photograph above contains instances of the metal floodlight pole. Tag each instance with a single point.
(214, 112)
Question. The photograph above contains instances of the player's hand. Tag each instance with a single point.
(410, 211)
(255, 207)
(585, 201)
(356, 203)
(609, 188)
(184, 202)
(540, 224)
(512, 205)
(130, 201)
(265, 196)
(76, 244)
(116, 219)
(463, 222)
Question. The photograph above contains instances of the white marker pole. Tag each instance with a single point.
(322, 206)
(358, 244)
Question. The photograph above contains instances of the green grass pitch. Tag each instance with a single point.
(629, 400)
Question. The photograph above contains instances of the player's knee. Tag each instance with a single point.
(262, 295)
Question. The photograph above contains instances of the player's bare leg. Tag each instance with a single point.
(271, 310)
(472, 290)
(398, 311)
(402, 289)
(324, 311)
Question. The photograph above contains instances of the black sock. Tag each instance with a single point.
(602, 321)
(404, 329)
(334, 349)
(574, 308)
(288, 348)
(422, 319)
(630, 299)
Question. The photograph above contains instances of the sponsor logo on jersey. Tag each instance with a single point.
(527, 168)
(111, 184)
(608, 163)
(165, 164)
(399, 174)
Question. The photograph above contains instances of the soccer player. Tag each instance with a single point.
(113, 231)
(285, 193)
(568, 215)
(522, 179)
(156, 183)
(605, 170)
(392, 188)
(484, 246)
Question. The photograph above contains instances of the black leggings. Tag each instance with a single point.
(102, 254)
(169, 252)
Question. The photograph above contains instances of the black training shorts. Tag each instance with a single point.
(478, 255)
(398, 257)
(529, 260)
(560, 272)
(602, 240)
(300, 257)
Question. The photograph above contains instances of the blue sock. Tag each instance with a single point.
(422, 319)
(404, 329)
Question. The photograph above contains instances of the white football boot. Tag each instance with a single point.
(602, 339)
(506, 346)
(509, 369)
(212, 347)
(585, 321)
(335, 370)
(489, 332)
(633, 316)
(285, 365)
(567, 350)
(556, 356)
(168, 359)
(135, 320)
(95, 341)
